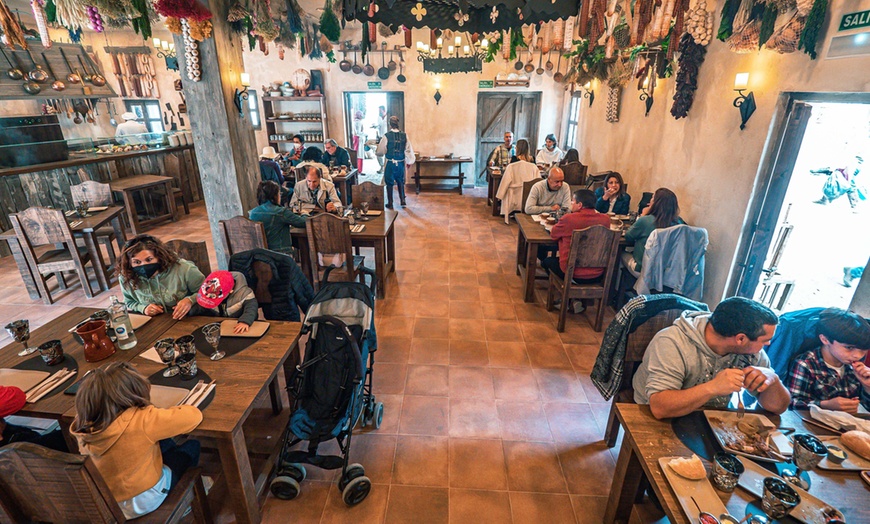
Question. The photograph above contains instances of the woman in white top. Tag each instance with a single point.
(550, 154)
(359, 139)
(510, 190)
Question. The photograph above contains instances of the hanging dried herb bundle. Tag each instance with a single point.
(329, 26)
(237, 13)
(810, 34)
(173, 24)
(140, 20)
(691, 57)
(264, 26)
(294, 20)
(112, 8)
(189, 9)
(768, 21)
(11, 28)
(200, 29)
(726, 24)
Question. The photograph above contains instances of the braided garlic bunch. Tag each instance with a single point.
(699, 23)
(191, 52)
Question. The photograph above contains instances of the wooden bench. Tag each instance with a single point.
(443, 161)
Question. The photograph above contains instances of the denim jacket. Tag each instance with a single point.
(674, 258)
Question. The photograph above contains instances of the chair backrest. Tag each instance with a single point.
(300, 172)
(639, 339)
(38, 484)
(353, 157)
(196, 252)
(575, 174)
(595, 246)
(41, 226)
(596, 180)
(329, 243)
(242, 234)
(96, 193)
(527, 188)
(368, 192)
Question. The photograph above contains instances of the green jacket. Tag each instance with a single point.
(640, 232)
(166, 288)
(277, 221)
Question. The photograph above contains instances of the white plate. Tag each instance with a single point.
(810, 510)
(167, 396)
(685, 489)
(853, 461)
(23, 379)
(724, 424)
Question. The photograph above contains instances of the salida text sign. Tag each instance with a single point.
(855, 20)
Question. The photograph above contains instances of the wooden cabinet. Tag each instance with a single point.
(286, 116)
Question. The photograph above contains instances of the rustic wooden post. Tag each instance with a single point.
(224, 142)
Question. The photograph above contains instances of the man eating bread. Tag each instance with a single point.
(705, 357)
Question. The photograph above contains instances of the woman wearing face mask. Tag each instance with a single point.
(154, 280)
(550, 154)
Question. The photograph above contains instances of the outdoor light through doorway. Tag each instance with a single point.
(241, 97)
(745, 103)
(166, 51)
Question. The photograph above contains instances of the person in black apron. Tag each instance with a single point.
(397, 151)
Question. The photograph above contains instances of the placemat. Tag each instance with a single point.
(229, 345)
(177, 382)
(37, 364)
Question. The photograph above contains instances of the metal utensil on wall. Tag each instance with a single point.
(13, 72)
(86, 76)
(557, 76)
(96, 78)
(72, 77)
(519, 65)
(57, 84)
(37, 73)
(30, 87)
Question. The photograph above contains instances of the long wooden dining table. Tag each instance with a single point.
(379, 234)
(648, 439)
(241, 380)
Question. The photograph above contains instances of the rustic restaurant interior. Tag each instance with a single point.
(217, 308)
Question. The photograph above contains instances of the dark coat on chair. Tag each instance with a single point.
(279, 284)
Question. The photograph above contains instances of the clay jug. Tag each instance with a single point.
(98, 345)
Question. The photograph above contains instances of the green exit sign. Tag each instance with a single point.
(374, 85)
(855, 20)
(485, 84)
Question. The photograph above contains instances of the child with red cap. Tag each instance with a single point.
(226, 294)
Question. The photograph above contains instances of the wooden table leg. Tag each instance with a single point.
(275, 396)
(391, 249)
(521, 250)
(132, 214)
(531, 269)
(170, 201)
(236, 466)
(417, 178)
(120, 233)
(381, 267)
(97, 261)
(627, 480)
(23, 268)
(461, 178)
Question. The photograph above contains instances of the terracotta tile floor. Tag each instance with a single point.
(490, 414)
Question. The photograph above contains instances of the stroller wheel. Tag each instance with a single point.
(356, 491)
(285, 488)
(352, 472)
(368, 411)
(296, 471)
(379, 414)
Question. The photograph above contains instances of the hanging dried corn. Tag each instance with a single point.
(546, 37)
(568, 33)
(41, 23)
(643, 14)
(71, 14)
(506, 44)
(558, 34)
(596, 22)
(13, 32)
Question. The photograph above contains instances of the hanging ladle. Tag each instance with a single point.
(86, 76)
(30, 87)
(57, 85)
(37, 74)
(72, 77)
(13, 72)
(96, 78)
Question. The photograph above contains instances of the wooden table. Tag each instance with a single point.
(493, 179)
(343, 184)
(531, 236)
(378, 234)
(87, 229)
(242, 379)
(129, 185)
(647, 439)
(440, 161)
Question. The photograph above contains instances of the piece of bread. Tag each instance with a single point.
(690, 468)
(858, 442)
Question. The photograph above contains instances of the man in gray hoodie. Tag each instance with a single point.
(704, 358)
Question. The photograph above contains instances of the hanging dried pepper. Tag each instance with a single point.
(810, 34)
(11, 28)
(691, 58)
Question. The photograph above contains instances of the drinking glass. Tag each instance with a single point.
(727, 469)
(19, 330)
(364, 206)
(212, 334)
(778, 498)
(808, 452)
(185, 346)
(82, 207)
(187, 366)
(165, 348)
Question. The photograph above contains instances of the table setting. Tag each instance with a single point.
(41, 375)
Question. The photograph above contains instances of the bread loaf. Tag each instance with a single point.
(858, 442)
(690, 468)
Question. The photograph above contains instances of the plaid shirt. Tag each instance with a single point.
(502, 155)
(811, 381)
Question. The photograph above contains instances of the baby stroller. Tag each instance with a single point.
(333, 389)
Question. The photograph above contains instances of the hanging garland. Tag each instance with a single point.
(140, 21)
(329, 25)
(810, 34)
(768, 22)
(726, 24)
(691, 57)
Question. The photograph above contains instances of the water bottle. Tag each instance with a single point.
(122, 325)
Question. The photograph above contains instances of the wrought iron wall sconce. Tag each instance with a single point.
(588, 92)
(437, 96)
(646, 96)
(240, 98)
(166, 51)
(745, 103)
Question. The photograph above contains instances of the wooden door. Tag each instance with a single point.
(396, 107)
(501, 112)
(764, 230)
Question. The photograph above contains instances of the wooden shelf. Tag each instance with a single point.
(289, 120)
(292, 98)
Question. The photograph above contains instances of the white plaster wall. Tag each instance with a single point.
(706, 159)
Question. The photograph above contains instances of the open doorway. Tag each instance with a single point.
(811, 229)
(369, 104)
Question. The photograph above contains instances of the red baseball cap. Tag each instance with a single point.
(215, 289)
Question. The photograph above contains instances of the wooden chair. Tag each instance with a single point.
(527, 188)
(594, 246)
(329, 246)
(241, 234)
(636, 345)
(40, 226)
(369, 192)
(97, 194)
(196, 252)
(43, 485)
(353, 158)
(575, 174)
(301, 173)
(596, 180)
(177, 194)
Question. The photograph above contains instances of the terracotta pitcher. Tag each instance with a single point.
(98, 345)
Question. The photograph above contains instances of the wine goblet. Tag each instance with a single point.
(212, 334)
(808, 452)
(82, 207)
(19, 330)
(364, 206)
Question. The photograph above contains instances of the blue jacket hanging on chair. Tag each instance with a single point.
(396, 148)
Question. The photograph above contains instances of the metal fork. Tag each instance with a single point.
(741, 409)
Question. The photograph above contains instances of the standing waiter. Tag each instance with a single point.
(396, 148)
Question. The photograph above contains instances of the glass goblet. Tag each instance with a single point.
(82, 207)
(808, 452)
(212, 334)
(19, 330)
(364, 206)
(165, 348)
(778, 498)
